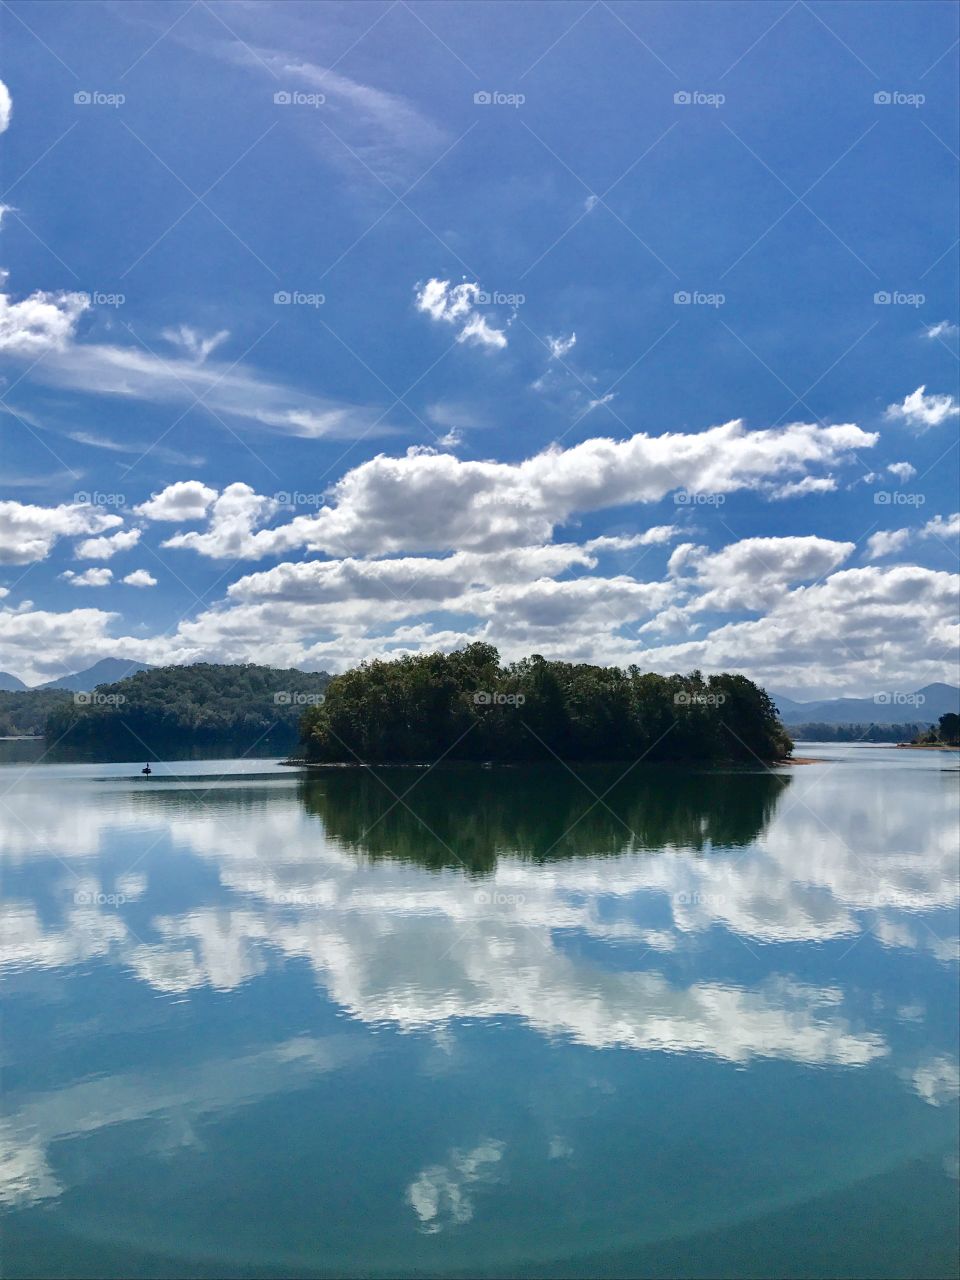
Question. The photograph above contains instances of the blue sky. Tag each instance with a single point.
(588, 329)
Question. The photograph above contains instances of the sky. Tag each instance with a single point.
(619, 333)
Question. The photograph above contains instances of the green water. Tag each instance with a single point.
(481, 1022)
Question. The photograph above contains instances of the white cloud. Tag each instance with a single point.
(868, 628)
(455, 305)
(40, 323)
(922, 411)
(480, 333)
(754, 572)
(140, 578)
(28, 533)
(429, 501)
(180, 502)
(601, 400)
(234, 514)
(105, 548)
(45, 324)
(6, 107)
(800, 488)
(626, 542)
(89, 577)
(194, 343)
(942, 527)
(559, 347)
(943, 329)
(904, 471)
(439, 1194)
(886, 542)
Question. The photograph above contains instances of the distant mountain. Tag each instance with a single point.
(926, 705)
(9, 683)
(106, 671)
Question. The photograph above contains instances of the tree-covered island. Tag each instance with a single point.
(466, 706)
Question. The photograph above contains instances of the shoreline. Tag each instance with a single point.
(294, 763)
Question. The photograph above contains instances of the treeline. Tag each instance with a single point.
(169, 711)
(24, 712)
(466, 706)
(818, 731)
(945, 733)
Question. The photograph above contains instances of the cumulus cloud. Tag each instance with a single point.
(942, 527)
(801, 488)
(456, 305)
(903, 471)
(886, 542)
(89, 577)
(6, 107)
(889, 541)
(922, 411)
(752, 573)
(107, 547)
(429, 501)
(237, 511)
(28, 533)
(186, 500)
(860, 628)
(40, 323)
(140, 578)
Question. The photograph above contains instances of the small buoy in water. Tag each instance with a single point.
(146, 770)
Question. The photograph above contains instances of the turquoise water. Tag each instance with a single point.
(481, 1022)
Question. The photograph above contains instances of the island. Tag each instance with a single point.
(467, 706)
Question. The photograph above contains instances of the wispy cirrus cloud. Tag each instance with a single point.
(42, 328)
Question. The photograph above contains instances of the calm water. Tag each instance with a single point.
(481, 1022)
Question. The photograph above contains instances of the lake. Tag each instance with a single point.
(481, 1022)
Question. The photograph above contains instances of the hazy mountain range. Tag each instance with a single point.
(924, 705)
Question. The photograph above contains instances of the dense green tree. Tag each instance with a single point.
(466, 706)
(170, 711)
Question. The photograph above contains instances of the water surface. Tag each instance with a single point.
(481, 1022)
